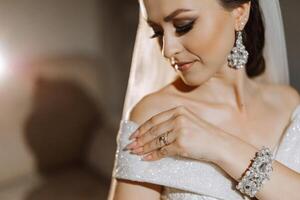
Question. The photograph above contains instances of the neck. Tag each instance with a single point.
(228, 86)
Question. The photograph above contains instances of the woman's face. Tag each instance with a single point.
(200, 32)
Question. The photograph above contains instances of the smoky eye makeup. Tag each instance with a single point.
(181, 26)
(184, 26)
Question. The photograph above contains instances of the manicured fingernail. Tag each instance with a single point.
(134, 135)
(138, 150)
(131, 145)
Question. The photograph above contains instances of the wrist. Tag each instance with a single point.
(224, 148)
(234, 156)
(215, 153)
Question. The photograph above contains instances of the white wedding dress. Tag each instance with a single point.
(185, 179)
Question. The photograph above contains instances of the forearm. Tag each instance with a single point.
(235, 158)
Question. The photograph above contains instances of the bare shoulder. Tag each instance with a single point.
(285, 93)
(147, 107)
(282, 96)
(153, 104)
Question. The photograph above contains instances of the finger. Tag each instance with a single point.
(150, 135)
(157, 119)
(169, 150)
(155, 132)
(156, 144)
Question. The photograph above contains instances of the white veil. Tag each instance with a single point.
(150, 71)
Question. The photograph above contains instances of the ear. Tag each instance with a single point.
(241, 15)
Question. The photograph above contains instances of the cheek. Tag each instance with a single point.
(214, 38)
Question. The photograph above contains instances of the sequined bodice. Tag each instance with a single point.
(186, 179)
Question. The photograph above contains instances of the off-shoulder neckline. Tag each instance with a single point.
(293, 115)
(275, 150)
(296, 111)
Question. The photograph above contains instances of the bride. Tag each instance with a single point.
(208, 112)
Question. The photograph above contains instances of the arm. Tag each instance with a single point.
(133, 190)
(284, 182)
(235, 159)
(192, 138)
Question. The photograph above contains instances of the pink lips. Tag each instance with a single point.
(184, 66)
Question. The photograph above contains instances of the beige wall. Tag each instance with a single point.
(119, 22)
(31, 28)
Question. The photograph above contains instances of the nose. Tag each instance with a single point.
(170, 46)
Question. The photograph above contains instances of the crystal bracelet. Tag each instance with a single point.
(258, 172)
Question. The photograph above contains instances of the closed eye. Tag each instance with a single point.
(182, 29)
(185, 28)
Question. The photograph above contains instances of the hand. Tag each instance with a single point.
(185, 135)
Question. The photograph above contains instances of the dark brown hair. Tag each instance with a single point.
(253, 35)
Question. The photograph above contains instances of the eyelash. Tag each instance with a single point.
(179, 30)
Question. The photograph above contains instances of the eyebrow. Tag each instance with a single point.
(172, 15)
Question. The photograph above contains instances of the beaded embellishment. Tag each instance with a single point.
(257, 174)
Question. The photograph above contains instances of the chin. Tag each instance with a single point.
(193, 80)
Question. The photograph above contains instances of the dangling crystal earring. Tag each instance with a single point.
(238, 57)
